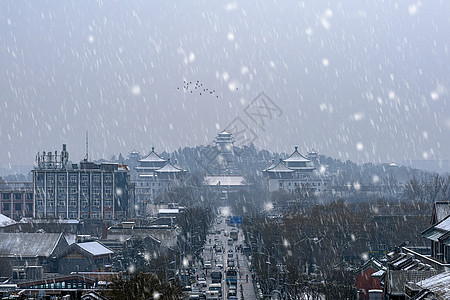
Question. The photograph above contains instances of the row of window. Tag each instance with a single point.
(17, 196)
(74, 202)
(74, 190)
(74, 177)
(17, 206)
(74, 215)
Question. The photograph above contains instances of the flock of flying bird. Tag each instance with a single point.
(197, 87)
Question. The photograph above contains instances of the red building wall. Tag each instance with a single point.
(365, 282)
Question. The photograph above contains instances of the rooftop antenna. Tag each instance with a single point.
(86, 158)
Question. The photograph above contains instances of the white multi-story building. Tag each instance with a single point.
(154, 176)
(294, 172)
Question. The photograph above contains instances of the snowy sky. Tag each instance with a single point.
(359, 80)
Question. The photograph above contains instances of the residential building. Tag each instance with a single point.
(85, 257)
(16, 200)
(85, 191)
(364, 279)
(294, 172)
(18, 250)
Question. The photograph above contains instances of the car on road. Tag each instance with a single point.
(207, 264)
(216, 287)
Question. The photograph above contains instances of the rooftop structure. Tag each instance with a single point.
(293, 172)
(154, 176)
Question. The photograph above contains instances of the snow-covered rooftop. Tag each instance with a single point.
(152, 157)
(280, 167)
(296, 157)
(5, 221)
(95, 248)
(226, 180)
(438, 284)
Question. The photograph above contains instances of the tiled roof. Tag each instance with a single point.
(296, 157)
(152, 157)
(28, 244)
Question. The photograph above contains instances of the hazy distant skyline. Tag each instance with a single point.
(359, 80)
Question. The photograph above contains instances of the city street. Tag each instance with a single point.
(221, 254)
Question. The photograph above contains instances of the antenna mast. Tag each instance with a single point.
(86, 158)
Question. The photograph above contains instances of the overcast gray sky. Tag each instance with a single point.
(359, 80)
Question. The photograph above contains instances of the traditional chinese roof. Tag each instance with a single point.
(169, 168)
(224, 132)
(280, 167)
(437, 231)
(296, 157)
(152, 157)
(441, 210)
(271, 166)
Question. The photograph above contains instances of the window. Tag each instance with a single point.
(84, 215)
(39, 202)
(50, 202)
(73, 200)
(108, 191)
(17, 196)
(61, 177)
(96, 215)
(61, 201)
(85, 190)
(18, 206)
(84, 178)
(61, 190)
(108, 178)
(40, 176)
(73, 178)
(29, 207)
(50, 179)
(96, 178)
(6, 196)
(5, 206)
(29, 196)
(84, 201)
(96, 201)
(108, 215)
(73, 189)
(96, 190)
(108, 202)
(50, 191)
(72, 214)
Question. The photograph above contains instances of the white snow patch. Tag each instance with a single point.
(230, 36)
(359, 146)
(325, 62)
(244, 70)
(90, 39)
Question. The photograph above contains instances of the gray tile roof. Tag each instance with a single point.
(29, 244)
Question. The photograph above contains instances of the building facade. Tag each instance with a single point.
(16, 200)
(84, 191)
(294, 172)
(155, 175)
